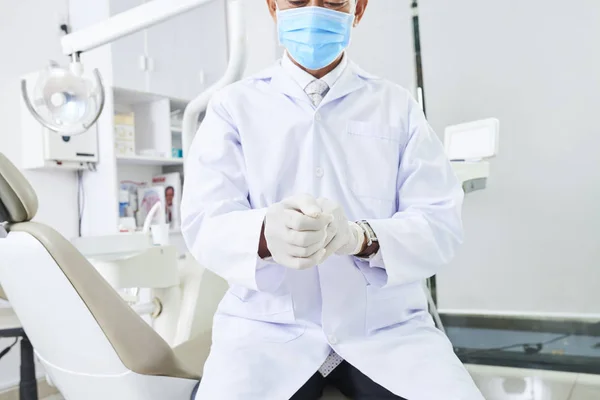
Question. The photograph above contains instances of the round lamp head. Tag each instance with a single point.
(65, 101)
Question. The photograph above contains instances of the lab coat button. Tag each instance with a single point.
(319, 172)
(318, 116)
(332, 339)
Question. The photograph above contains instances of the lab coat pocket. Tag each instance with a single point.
(389, 306)
(372, 159)
(261, 316)
(271, 307)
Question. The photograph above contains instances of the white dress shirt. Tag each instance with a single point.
(303, 78)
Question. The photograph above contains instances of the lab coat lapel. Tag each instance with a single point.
(352, 79)
(283, 83)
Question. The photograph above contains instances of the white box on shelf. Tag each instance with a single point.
(124, 134)
(153, 124)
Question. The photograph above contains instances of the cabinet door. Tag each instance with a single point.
(189, 52)
(128, 53)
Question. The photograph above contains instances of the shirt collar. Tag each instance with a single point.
(303, 78)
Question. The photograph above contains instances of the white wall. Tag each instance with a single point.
(262, 37)
(382, 43)
(533, 236)
(27, 41)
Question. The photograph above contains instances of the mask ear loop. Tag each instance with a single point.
(353, 11)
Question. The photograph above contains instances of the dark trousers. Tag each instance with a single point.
(348, 380)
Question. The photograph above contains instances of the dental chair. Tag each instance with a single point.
(92, 345)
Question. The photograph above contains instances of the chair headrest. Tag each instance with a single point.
(18, 201)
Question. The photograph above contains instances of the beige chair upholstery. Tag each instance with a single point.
(18, 201)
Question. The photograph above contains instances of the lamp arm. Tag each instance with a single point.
(126, 23)
(234, 72)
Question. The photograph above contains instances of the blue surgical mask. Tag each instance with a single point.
(314, 36)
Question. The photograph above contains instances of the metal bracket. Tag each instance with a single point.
(473, 185)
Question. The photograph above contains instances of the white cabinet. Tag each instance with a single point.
(164, 65)
(188, 51)
(128, 53)
(204, 51)
(176, 58)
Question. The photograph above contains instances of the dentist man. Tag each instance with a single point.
(321, 194)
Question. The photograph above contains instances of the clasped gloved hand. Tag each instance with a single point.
(296, 232)
(344, 237)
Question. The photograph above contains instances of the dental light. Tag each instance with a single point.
(68, 102)
(65, 101)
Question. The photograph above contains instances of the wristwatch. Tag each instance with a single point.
(369, 232)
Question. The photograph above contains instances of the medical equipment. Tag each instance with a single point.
(90, 342)
(70, 105)
(469, 147)
(70, 94)
(130, 261)
(64, 100)
(43, 148)
(234, 71)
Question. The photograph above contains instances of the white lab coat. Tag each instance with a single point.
(368, 147)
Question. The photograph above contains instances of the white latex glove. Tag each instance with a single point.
(343, 237)
(296, 232)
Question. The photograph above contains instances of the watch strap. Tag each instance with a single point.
(369, 232)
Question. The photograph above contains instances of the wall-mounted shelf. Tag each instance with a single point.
(149, 160)
(172, 231)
